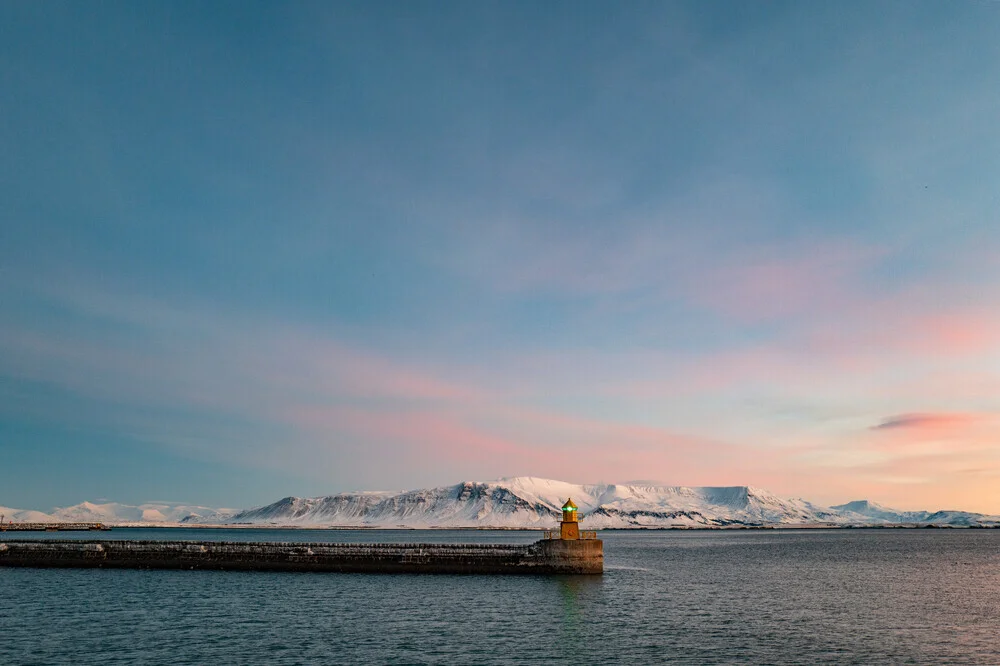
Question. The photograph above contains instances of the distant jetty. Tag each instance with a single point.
(566, 551)
(543, 557)
(52, 527)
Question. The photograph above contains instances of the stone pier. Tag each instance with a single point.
(51, 527)
(543, 557)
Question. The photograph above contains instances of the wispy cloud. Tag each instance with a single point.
(253, 390)
(925, 421)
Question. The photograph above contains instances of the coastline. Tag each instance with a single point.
(380, 528)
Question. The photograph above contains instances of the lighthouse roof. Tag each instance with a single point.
(569, 506)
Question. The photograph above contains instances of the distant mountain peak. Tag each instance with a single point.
(865, 507)
(863, 504)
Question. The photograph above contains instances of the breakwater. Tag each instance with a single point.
(542, 557)
(51, 527)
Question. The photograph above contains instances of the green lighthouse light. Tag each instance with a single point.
(569, 528)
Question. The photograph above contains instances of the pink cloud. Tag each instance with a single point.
(942, 478)
(754, 284)
(678, 255)
(929, 421)
(497, 436)
(947, 435)
(326, 365)
(968, 332)
(433, 434)
(872, 349)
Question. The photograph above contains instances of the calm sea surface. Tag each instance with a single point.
(788, 597)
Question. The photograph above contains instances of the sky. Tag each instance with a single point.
(254, 249)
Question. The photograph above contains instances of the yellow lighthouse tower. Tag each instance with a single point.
(569, 528)
(574, 550)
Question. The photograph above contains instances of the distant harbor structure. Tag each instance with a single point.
(566, 551)
(50, 527)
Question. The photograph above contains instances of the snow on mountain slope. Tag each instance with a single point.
(124, 514)
(534, 502)
(959, 518)
(464, 505)
(659, 506)
(519, 502)
(24, 516)
(879, 513)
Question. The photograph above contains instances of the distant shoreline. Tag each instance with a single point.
(706, 528)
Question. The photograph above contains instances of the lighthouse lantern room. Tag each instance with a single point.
(569, 528)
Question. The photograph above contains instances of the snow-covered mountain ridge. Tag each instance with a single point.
(113, 513)
(523, 502)
(532, 502)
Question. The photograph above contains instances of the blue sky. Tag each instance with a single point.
(249, 249)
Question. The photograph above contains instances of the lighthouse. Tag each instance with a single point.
(569, 528)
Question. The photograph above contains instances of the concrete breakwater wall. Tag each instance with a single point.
(51, 527)
(542, 557)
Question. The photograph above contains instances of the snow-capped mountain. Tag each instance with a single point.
(875, 513)
(520, 502)
(144, 513)
(24, 516)
(879, 513)
(533, 502)
(113, 513)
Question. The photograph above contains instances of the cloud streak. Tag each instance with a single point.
(928, 421)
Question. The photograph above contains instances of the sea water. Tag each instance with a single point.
(701, 597)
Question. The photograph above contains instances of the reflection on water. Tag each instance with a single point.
(777, 597)
(575, 632)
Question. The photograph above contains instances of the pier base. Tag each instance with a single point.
(576, 556)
